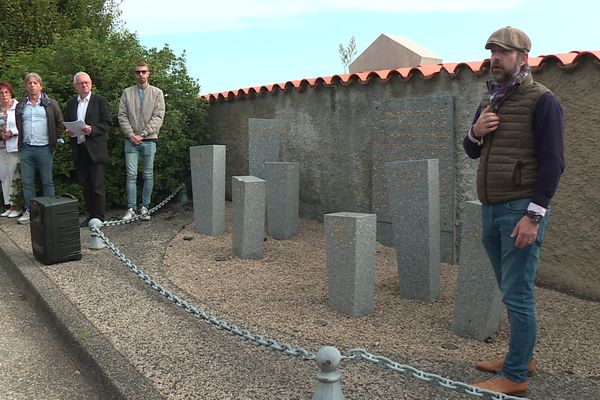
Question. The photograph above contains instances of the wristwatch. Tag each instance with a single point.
(535, 217)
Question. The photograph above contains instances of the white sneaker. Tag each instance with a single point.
(24, 218)
(128, 215)
(5, 213)
(14, 213)
(144, 213)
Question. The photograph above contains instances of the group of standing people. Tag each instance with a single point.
(31, 129)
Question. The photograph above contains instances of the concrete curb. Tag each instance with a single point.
(113, 376)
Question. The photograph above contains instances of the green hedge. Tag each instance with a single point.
(109, 61)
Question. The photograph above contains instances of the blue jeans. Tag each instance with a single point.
(40, 157)
(146, 150)
(515, 271)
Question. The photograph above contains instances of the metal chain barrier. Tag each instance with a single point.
(150, 211)
(286, 349)
(384, 362)
(233, 330)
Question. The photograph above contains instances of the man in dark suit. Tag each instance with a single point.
(88, 144)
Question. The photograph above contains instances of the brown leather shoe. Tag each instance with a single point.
(504, 385)
(497, 364)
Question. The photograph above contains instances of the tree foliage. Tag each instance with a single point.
(30, 24)
(107, 53)
(347, 53)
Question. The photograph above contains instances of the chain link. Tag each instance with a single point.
(286, 349)
(150, 211)
(384, 362)
(233, 330)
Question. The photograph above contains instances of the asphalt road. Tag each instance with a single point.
(33, 363)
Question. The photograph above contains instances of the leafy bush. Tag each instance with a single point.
(109, 60)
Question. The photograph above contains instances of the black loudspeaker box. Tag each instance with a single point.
(54, 223)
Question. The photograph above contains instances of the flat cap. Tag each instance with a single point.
(509, 38)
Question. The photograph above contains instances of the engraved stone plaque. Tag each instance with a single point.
(415, 129)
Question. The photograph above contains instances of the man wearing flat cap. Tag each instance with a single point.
(517, 135)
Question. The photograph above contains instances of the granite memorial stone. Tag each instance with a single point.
(350, 250)
(414, 201)
(248, 216)
(207, 164)
(264, 137)
(283, 186)
(478, 304)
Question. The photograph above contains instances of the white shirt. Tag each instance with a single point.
(82, 105)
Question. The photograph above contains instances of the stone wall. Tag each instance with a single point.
(328, 129)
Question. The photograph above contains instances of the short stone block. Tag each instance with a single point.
(248, 216)
(478, 305)
(207, 164)
(350, 249)
(414, 202)
(283, 186)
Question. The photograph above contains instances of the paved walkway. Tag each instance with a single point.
(33, 362)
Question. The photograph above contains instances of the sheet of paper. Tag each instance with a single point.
(76, 127)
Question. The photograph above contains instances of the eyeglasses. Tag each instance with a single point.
(141, 72)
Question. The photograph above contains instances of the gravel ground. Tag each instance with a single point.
(286, 293)
(284, 297)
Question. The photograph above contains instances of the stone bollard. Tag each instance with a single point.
(350, 249)
(478, 305)
(264, 139)
(207, 164)
(329, 388)
(413, 194)
(283, 186)
(248, 216)
(95, 242)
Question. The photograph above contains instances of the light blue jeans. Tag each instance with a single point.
(146, 150)
(32, 157)
(515, 271)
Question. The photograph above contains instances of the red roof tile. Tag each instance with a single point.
(567, 60)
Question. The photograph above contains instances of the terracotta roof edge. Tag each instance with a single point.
(427, 71)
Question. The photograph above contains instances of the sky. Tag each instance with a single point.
(237, 44)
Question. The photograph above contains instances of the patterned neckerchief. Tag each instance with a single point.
(498, 92)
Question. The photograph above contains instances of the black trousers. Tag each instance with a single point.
(90, 175)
